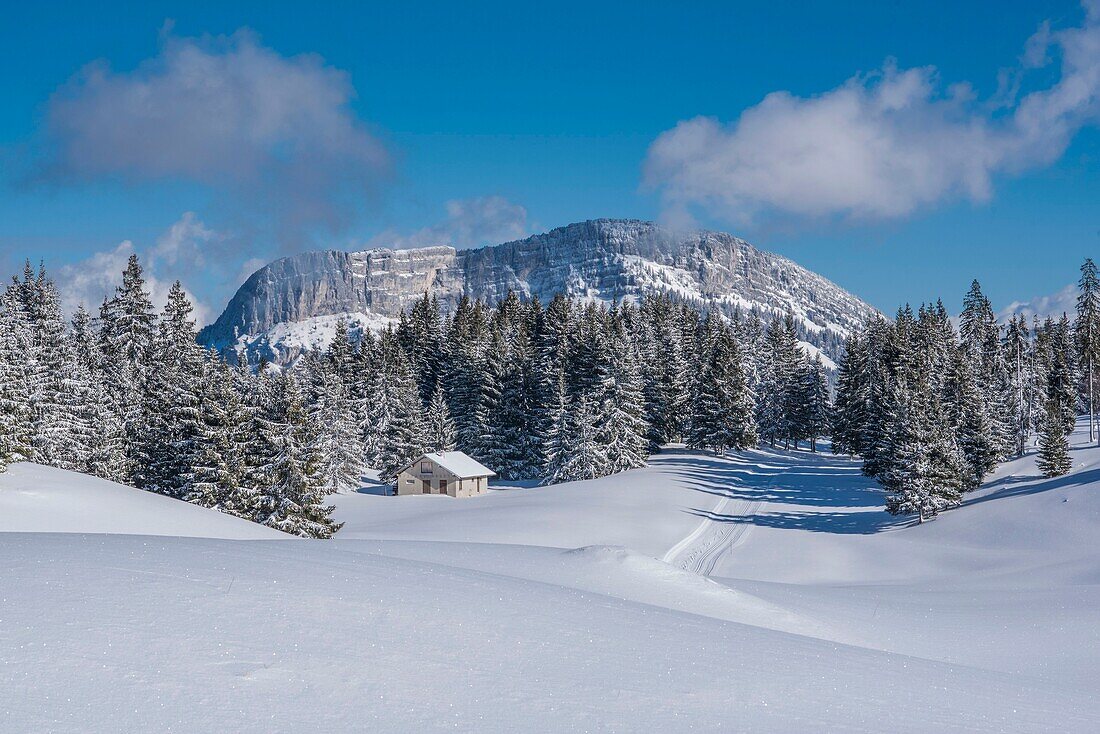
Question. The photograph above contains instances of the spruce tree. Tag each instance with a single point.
(815, 402)
(440, 428)
(721, 408)
(853, 391)
(578, 456)
(127, 328)
(292, 497)
(1087, 331)
(1053, 459)
(16, 406)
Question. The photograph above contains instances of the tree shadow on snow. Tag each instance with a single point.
(810, 484)
(867, 522)
(1023, 486)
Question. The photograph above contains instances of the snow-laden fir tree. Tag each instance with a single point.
(778, 400)
(218, 473)
(664, 370)
(815, 408)
(968, 414)
(1017, 349)
(621, 426)
(398, 413)
(170, 436)
(1053, 458)
(853, 393)
(440, 428)
(509, 444)
(721, 409)
(1061, 377)
(1087, 331)
(127, 329)
(924, 475)
(292, 499)
(577, 455)
(338, 446)
(16, 406)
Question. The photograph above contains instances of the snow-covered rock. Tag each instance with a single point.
(602, 259)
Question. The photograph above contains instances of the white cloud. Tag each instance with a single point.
(274, 133)
(89, 281)
(881, 145)
(1053, 305)
(483, 220)
(184, 241)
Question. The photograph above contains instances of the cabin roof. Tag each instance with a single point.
(459, 464)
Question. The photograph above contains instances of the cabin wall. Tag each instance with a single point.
(411, 481)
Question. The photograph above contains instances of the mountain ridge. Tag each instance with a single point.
(286, 306)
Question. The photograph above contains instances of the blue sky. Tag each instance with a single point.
(467, 123)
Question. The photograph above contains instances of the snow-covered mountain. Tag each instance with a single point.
(290, 305)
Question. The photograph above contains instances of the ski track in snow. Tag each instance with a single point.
(712, 539)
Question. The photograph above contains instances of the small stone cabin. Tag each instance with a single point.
(446, 472)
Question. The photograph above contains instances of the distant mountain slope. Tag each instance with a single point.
(287, 306)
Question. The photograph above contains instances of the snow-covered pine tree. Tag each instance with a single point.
(422, 342)
(621, 424)
(218, 468)
(778, 400)
(555, 440)
(469, 387)
(16, 406)
(722, 413)
(127, 329)
(1053, 458)
(664, 371)
(402, 435)
(1087, 330)
(508, 445)
(1017, 350)
(967, 414)
(924, 476)
(106, 454)
(816, 408)
(881, 346)
(578, 455)
(172, 426)
(1061, 377)
(853, 391)
(80, 395)
(55, 414)
(440, 428)
(337, 446)
(293, 499)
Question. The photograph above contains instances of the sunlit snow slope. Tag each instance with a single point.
(762, 592)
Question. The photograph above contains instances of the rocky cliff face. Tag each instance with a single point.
(289, 305)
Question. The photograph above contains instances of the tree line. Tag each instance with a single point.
(931, 410)
(562, 392)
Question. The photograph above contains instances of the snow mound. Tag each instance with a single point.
(41, 499)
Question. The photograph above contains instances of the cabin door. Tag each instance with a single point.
(443, 486)
(427, 487)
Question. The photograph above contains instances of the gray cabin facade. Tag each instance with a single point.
(446, 472)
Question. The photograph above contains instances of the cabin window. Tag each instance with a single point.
(425, 467)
